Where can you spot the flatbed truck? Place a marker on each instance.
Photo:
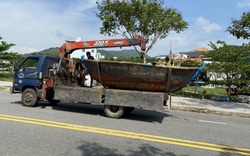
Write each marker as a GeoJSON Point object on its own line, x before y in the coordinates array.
{"type": "Point", "coordinates": [36, 78]}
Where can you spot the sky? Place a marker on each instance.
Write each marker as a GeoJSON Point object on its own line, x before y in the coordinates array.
{"type": "Point", "coordinates": [35, 25]}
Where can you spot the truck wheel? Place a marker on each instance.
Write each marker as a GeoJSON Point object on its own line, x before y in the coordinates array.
{"type": "Point", "coordinates": [29, 97]}
{"type": "Point", "coordinates": [114, 111]}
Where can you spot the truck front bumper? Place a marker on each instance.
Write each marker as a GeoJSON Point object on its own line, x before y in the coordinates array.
{"type": "Point", "coordinates": [13, 90]}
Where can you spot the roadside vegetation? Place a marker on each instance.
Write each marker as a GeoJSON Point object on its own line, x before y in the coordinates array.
{"type": "Point", "coordinates": [200, 92]}
{"type": "Point", "coordinates": [6, 76]}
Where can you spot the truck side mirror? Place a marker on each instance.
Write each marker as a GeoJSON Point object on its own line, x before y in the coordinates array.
{"type": "Point", "coordinates": [16, 66]}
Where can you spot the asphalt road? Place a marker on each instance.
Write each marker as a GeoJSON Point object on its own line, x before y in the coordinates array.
{"type": "Point", "coordinates": [77, 129]}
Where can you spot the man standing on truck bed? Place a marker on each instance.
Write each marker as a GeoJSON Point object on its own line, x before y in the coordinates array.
{"type": "Point", "coordinates": [89, 56]}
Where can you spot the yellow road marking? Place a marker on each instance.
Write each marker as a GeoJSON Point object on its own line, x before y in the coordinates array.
{"type": "Point", "coordinates": [133, 135]}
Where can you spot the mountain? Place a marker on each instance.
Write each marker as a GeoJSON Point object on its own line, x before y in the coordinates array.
{"type": "Point", "coordinates": [107, 53]}
{"type": "Point", "coordinates": [119, 54]}
{"type": "Point", "coordinates": [50, 52]}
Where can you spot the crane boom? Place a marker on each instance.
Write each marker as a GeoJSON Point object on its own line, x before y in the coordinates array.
{"type": "Point", "coordinates": [68, 47]}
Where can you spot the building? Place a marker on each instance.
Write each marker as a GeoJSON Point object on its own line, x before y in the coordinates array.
{"type": "Point", "coordinates": [203, 49]}
{"type": "Point", "coordinates": [4, 61]}
{"type": "Point", "coordinates": [180, 56]}
{"type": "Point", "coordinates": [207, 60]}
{"type": "Point", "coordinates": [5, 65]}
{"type": "Point", "coordinates": [162, 57]}
{"type": "Point", "coordinates": [194, 55]}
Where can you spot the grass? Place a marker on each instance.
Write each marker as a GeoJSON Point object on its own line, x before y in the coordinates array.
{"type": "Point", "coordinates": [192, 92]}
{"type": "Point", "coordinates": [6, 76]}
{"type": "Point", "coordinates": [220, 91]}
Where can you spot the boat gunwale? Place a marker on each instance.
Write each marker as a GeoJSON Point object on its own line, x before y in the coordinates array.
{"type": "Point", "coordinates": [143, 64]}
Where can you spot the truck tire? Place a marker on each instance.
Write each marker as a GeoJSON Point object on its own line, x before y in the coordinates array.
{"type": "Point", "coordinates": [114, 111]}
{"type": "Point", "coordinates": [29, 97]}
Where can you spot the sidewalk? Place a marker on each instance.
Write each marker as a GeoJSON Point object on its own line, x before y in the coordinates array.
{"type": "Point", "coordinates": [210, 106]}
{"type": "Point", "coordinates": [192, 104]}
{"type": "Point", "coordinates": [5, 85]}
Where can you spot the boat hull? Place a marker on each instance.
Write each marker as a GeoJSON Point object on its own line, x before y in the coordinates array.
{"type": "Point", "coordinates": [137, 76]}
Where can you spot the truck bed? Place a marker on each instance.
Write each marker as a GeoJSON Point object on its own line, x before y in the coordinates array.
{"type": "Point", "coordinates": [116, 97]}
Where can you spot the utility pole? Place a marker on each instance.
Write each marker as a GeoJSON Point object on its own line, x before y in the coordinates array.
{"type": "Point", "coordinates": [171, 59]}
{"type": "Point", "coordinates": [170, 72]}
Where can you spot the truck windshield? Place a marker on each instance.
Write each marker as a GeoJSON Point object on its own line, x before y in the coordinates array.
{"type": "Point", "coordinates": [30, 63]}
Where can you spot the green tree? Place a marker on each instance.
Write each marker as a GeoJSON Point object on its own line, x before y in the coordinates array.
{"type": "Point", "coordinates": [139, 17]}
{"type": "Point", "coordinates": [10, 56]}
{"type": "Point", "coordinates": [230, 61]}
{"type": "Point", "coordinates": [241, 28]}
{"type": "Point", "coordinates": [190, 63]}
{"type": "Point", "coordinates": [4, 46]}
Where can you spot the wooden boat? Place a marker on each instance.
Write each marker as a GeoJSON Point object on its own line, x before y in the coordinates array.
{"type": "Point", "coordinates": [137, 76]}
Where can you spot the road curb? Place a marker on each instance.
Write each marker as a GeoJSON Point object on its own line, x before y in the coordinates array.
{"type": "Point", "coordinates": [208, 111]}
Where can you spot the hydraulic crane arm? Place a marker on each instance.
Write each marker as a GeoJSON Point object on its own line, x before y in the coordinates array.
{"type": "Point", "coordinates": [68, 47]}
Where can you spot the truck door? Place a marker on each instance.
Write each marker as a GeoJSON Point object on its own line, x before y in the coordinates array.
{"type": "Point", "coordinates": [28, 74]}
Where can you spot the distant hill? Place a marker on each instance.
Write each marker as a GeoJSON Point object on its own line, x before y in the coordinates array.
{"type": "Point", "coordinates": [119, 53]}
{"type": "Point", "coordinates": [50, 52]}
{"type": "Point", "coordinates": [107, 53]}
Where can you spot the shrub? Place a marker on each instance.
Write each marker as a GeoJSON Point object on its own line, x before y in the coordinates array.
{"type": "Point", "coordinates": [6, 76]}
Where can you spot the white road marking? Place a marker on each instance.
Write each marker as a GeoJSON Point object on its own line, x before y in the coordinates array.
{"type": "Point", "coordinates": [222, 123]}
